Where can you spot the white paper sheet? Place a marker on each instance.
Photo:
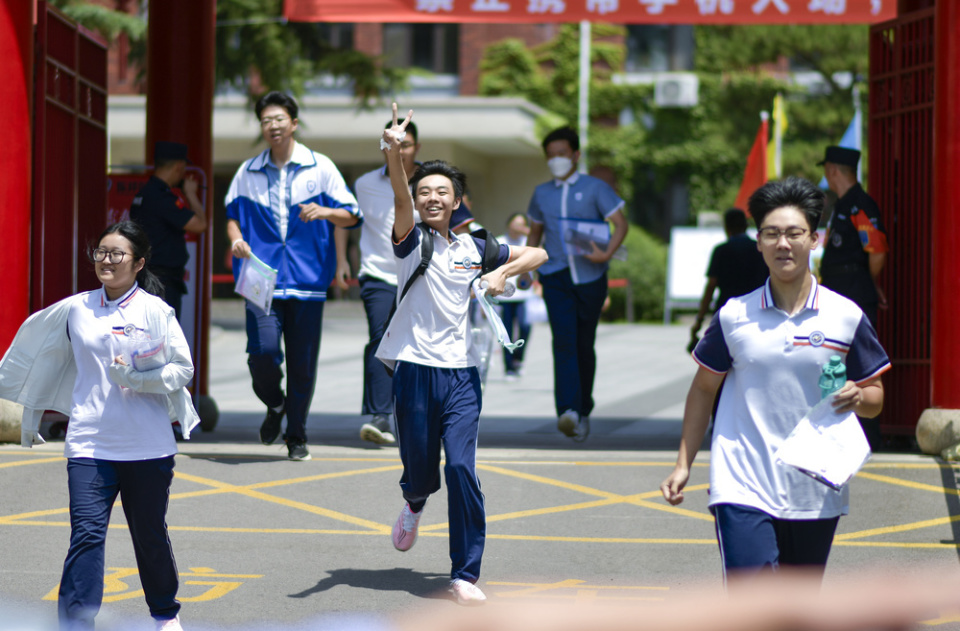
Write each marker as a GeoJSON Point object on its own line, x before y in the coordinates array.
{"type": "Point", "coordinates": [827, 446]}
{"type": "Point", "coordinates": [256, 282]}
{"type": "Point", "coordinates": [579, 233]}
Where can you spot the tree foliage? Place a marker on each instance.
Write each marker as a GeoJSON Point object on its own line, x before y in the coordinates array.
{"type": "Point", "coordinates": [257, 50]}
{"type": "Point", "coordinates": [252, 35]}
{"type": "Point", "coordinates": [704, 146]}
{"type": "Point", "coordinates": [102, 20]}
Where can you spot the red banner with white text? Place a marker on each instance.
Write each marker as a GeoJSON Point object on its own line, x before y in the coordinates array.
{"type": "Point", "coordinates": [616, 11]}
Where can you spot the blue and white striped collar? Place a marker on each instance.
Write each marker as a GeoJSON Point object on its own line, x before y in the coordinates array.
{"type": "Point", "coordinates": [813, 299]}
{"type": "Point", "coordinates": [122, 301]}
{"type": "Point", "coordinates": [302, 156]}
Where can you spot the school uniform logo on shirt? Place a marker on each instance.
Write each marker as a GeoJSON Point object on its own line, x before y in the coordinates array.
{"type": "Point", "coordinates": [311, 186]}
{"type": "Point", "coordinates": [817, 338]}
{"type": "Point", "coordinates": [465, 264]}
{"type": "Point", "coordinates": [132, 331]}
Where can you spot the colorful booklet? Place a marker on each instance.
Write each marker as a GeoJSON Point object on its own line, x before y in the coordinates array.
{"type": "Point", "coordinates": [256, 282]}
{"type": "Point", "coordinates": [148, 355]}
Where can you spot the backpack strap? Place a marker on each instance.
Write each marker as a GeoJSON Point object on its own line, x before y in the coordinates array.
{"type": "Point", "coordinates": [491, 250]}
{"type": "Point", "coordinates": [426, 253]}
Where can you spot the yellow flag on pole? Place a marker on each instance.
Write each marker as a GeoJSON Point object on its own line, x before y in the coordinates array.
{"type": "Point", "coordinates": [775, 148]}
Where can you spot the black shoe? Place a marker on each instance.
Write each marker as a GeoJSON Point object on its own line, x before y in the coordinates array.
{"type": "Point", "coordinates": [297, 450]}
{"type": "Point", "coordinates": [270, 428]}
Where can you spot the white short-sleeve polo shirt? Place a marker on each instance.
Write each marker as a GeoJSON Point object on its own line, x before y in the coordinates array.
{"type": "Point", "coordinates": [772, 363]}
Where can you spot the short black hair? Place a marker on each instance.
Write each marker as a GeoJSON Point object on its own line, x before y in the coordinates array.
{"type": "Point", "coordinates": [563, 133]}
{"type": "Point", "coordinates": [411, 129]}
{"type": "Point", "coordinates": [510, 219]}
{"type": "Point", "coordinates": [735, 221]}
{"type": "Point", "coordinates": [285, 101]}
{"type": "Point", "coordinates": [795, 192]}
{"type": "Point", "coordinates": [439, 167]}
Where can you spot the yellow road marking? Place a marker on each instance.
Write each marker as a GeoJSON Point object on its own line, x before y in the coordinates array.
{"type": "Point", "coordinates": [309, 508]}
{"type": "Point", "coordinates": [907, 483]}
{"type": "Point", "coordinates": [20, 463]}
{"type": "Point", "coordinates": [917, 525]}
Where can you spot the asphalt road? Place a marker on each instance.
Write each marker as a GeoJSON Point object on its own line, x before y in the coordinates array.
{"type": "Point", "coordinates": [261, 540]}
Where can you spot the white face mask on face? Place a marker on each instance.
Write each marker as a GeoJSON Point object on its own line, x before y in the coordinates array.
{"type": "Point", "coordinates": [559, 166]}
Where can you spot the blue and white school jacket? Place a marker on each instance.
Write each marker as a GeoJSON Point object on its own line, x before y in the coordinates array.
{"type": "Point", "coordinates": [307, 260]}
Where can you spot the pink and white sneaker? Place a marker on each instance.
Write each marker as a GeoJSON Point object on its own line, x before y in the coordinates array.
{"type": "Point", "coordinates": [405, 529]}
{"type": "Point", "coordinates": [466, 592]}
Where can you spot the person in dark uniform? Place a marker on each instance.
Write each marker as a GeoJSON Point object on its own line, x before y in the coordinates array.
{"type": "Point", "coordinates": [855, 248]}
{"type": "Point", "coordinates": [165, 218]}
{"type": "Point", "coordinates": [736, 268]}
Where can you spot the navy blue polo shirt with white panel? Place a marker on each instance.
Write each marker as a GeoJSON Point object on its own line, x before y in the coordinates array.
{"type": "Point", "coordinates": [580, 196]}
{"type": "Point", "coordinates": [772, 362]}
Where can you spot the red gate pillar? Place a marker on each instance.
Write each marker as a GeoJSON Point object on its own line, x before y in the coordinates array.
{"type": "Point", "coordinates": [945, 338]}
{"type": "Point", "coordinates": [180, 86]}
{"type": "Point", "coordinates": [939, 427]}
{"type": "Point", "coordinates": [16, 68]}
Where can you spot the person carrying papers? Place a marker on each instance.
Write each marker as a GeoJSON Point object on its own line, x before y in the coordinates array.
{"type": "Point", "coordinates": [772, 345]}
{"type": "Point", "coordinates": [436, 384]}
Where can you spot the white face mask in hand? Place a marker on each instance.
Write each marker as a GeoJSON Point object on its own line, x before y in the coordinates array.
{"type": "Point", "coordinates": [559, 166]}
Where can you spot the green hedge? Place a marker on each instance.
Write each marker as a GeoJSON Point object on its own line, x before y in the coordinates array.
{"type": "Point", "coordinates": [646, 269]}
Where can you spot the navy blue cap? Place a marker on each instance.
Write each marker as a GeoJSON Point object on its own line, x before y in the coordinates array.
{"type": "Point", "coordinates": [841, 155]}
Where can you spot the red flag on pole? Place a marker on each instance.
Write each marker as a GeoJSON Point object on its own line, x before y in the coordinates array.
{"type": "Point", "coordinates": [755, 175]}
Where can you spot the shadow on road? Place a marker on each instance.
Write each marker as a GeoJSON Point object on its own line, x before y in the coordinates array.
{"type": "Point", "coordinates": [420, 584]}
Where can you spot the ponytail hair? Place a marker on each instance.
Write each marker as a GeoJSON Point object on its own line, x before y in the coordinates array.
{"type": "Point", "coordinates": [140, 244]}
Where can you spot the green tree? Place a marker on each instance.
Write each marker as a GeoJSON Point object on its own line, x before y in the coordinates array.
{"type": "Point", "coordinates": [103, 20]}
{"type": "Point", "coordinates": [706, 145]}
{"type": "Point", "coordinates": [256, 48]}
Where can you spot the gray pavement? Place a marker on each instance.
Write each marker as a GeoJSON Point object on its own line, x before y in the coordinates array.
{"type": "Point", "coordinates": [262, 540]}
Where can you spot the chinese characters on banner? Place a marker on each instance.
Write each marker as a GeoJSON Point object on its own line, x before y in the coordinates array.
{"type": "Point", "coordinates": [620, 11]}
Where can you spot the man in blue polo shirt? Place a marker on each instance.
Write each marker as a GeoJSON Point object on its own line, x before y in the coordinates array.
{"type": "Point", "coordinates": [282, 206]}
{"type": "Point", "coordinates": [771, 345]}
{"type": "Point", "coordinates": [574, 285]}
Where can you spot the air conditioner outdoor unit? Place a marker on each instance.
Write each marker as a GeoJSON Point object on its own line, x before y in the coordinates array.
{"type": "Point", "coordinates": [676, 89]}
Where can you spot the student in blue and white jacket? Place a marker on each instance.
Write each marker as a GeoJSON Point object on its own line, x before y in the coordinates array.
{"type": "Point", "coordinates": [436, 385]}
{"type": "Point", "coordinates": [282, 207]}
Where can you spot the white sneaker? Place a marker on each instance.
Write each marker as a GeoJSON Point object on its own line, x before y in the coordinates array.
{"type": "Point", "coordinates": [583, 430]}
{"type": "Point", "coordinates": [568, 422]}
{"type": "Point", "coordinates": [466, 592]}
{"type": "Point", "coordinates": [378, 431]}
{"type": "Point", "coordinates": [173, 624]}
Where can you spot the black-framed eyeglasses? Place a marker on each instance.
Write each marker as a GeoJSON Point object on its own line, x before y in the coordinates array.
{"type": "Point", "coordinates": [114, 256]}
{"type": "Point", "coordinates": [772, 235]}
{"type": "Point", "coordinates": [269, 120]}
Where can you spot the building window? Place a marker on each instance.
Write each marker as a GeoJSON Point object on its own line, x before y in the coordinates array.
{"type": "Point", "coordinates": [432, 47]}
{"type": "Point", "coordinates": [339, 36]}
{"type": "Point", "coordinates": [659, 48]}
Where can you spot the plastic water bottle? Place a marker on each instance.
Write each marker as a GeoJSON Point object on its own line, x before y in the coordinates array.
{"type": "Point", "coordinates": [833, 376]}
{"type": "Point", "coordinates": [508, 288]}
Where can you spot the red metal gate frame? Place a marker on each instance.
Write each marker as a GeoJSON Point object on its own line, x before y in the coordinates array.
{"type": "Point", "coordinates": [902, 54]}
{"type": "Point", "coordinates": [69, 156]}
